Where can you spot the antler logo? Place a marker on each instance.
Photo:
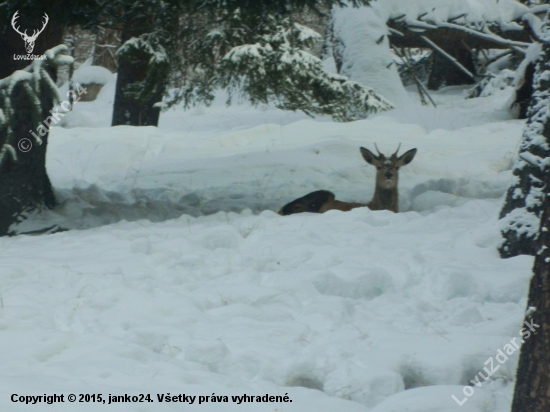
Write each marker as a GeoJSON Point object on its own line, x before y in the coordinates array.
{"type": "Point", "coordinates": [29, 40]}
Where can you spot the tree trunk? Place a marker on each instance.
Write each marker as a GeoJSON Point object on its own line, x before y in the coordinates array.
{"type": "Point", "coordinates": [524, 93]}
{"type": "Point", "coordinates": [24, 184]}
{"type": "Point", "coordinates": [134, 68]}
{"type": "Point", "coordinates": [532, 391]}
{"type": "Point", "coordinates": [520, 214]}
{"type": "Point", "coordinates": [446, 73]}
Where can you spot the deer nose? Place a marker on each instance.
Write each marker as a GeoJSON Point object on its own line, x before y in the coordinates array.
{"type": "Point", "coordinates": [388, 175]}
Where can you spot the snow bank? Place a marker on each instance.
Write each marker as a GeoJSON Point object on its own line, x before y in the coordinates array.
{"type": "Point", "coordinates": [186, 281]}
{"type": "Point", "coordinates": [92, 75]}
{"type": "Point", "coordinates": [357, 306]}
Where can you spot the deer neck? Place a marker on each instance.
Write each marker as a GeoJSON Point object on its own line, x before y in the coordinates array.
{"type": "Point", "coordinates": [385, 199]}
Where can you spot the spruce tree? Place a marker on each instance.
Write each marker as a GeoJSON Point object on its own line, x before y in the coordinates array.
{"type": "Point", "coordinates": [269, 62]}
{"type": "Point", "coordinates": [196, 47]}
{"type": "Point", "coordinates": [27, 98]}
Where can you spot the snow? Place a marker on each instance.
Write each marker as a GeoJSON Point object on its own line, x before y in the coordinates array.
{"type": "Point", "coordinates": [87, 74]}
{"type": "Point", "coordinates": [18, 76]}
{"type": "Point", "coordinates": [362, 43]}
{"type": "Point", "coordinates": [178, 277]}
{"type": "Point", "coordinates": [307, 34]}
{"type": "Point", "coordinates": [473, 11]}
{"type": "Point", "coordinates": [367, 60]}
{"type": "Point", "coordinates": [7, 149]}
{"type": "Point", "coordinates": [523, 221]}
{"type": "Point", "coordinates": [55, 54]}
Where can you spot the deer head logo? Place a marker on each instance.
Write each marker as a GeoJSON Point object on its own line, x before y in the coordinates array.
{"type": "Point", "coordinates": [29, 40]}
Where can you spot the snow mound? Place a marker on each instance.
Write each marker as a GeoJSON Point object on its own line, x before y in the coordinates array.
{"type": "Point", "coordinates": [92, 75]}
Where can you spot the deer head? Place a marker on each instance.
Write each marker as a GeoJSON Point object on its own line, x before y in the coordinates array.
{"type": "Point", "coordinates": [387, 168]}
{"type": "Point", "coordinates": [29, 40]}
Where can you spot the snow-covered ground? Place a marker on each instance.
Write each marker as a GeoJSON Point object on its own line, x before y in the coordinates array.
{"type": "Point", "coordinates": [179, 277]}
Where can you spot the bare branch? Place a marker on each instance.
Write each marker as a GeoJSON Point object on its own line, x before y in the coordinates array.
{"type": "Point", "coordinates": [407, 60]}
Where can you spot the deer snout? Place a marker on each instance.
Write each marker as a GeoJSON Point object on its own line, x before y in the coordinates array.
{"type": "Point", "coordinates": [388, 175]}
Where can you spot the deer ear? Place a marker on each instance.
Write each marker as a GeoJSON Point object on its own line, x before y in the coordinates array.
{"type": "Point", "coordinates": [406, 157]}
{"type": "Point", "coordinates": [369, 157]}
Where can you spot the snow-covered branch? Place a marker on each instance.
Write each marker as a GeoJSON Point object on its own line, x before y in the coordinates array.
{"type": "Point", "coordinates": [418, 24]}
{"type": "Point", "coordinates": [533, 25]}
{"type": "Point", "coordinates": [448, 56]}
{"type": "Point", "coordinates": [515, 24]}
{"type": "Point", "coordinates": [492, 37]}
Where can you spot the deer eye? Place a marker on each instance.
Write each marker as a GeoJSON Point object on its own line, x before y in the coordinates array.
{"type": "Point", "coordinates": [379, 168]}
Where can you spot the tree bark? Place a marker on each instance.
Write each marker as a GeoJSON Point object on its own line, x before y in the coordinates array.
{"type": "Point", "coordinates": [532, 390]}
{"type": "Point", "coordinates": [133, 68]}
{"type": "Point", "coordinates": [523, 206]}
{"type": "Point", "coordinates": [524, 93]}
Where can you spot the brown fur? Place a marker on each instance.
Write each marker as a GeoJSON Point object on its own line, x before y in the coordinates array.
{"type": "Point", "coordinates": [339, 205]}
{"type": "Point", "coordinates": [386, 196]}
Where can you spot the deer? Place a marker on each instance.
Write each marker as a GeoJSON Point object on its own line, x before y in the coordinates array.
{"type": "Point", "coordinates": [385, 196]}
{"type": "Point", "coordinates": [29, 40]}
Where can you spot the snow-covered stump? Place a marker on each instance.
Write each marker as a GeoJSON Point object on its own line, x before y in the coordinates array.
{"type": "Point", "coordinates": [26, 101]}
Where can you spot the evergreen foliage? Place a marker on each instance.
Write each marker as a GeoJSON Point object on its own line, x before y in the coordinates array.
{"type": "Point", "coordinates": [266, 60]}
{"type": "Point", "coordinates": [185, 43]}
{"type": "Point", "coordinates": [26, 100]}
